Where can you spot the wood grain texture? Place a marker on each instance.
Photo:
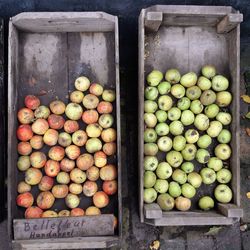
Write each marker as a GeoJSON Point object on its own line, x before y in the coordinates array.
{"type": "Point", "coordinates": [229, 22]}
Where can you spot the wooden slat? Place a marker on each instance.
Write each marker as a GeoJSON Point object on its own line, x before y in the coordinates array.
{"type": "Point", "coordinates": [230, 210]}
{"type": "Point", "coordinates": [152, 211]}
{"type": "Point", "coordinates": [153, 20]}
{"type": "Point", "coordinates": [229, 22]}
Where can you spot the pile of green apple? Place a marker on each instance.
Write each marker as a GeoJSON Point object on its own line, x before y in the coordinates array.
{"type": "Point", "coordinates": [186, 119]}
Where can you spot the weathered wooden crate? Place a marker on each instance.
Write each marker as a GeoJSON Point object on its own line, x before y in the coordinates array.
{"type": "Point", "coordinates": [47, 52]}
{"type": "Point", "coordinates": [188, 37]}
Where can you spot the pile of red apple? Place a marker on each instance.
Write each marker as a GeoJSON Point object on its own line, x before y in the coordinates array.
{"type": "Point", "coordinates": [77, 152]}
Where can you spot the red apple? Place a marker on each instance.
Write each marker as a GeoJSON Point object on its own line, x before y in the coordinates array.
{"type": "Point", "coordinates": [46, 183]}
{"type": "Point", "coordinates": [100, 199]}
{"type": "Point", "coordinates": [71, 126]}
{"type": "Point", "coordinates": [60, 191]}
{"type": "Point", "coordinates": [38, 159]}
{"type": "Point", "coordinates": [25, 200]}
{"type": "Point", "coordinates": [36, 142]}
{"type": "Point", "coordinates": [40, 126]}
{"type": "Point", "coordinates": [96, 89]}
{"type": "Point", "coordinates": [49, 214]}
{"type": "Point", "coordinates": [56, 153]}
{"type": "Point", "coordinates": [104, 107]}
{"type": "Point", "coordinates": [89, 188]}
{"type": "Point", "coordinates": [93, 173]}
{"type": "Point", "coordinates": [56, 121]}
{"type": "Point", "coordinates": [57, 107]}
{"type": "Point", "coordinates": [85, 161]}
{"type": "Point", "coordinates": [109, 187]}
{"type": "Point", "coordinates": [33, 176]}
{"type": "Point", "coordinates": [90, 116]}
{"type": "Point", "coordinates": [24, 148]}
{"type": "Point", "coordinates": [108, 173]}
{"type": "Point", "coordinates": [45, 200]}
{"type": "Point", "coordinates": [50, 137]}
{"type": "Point", "coordinates": [25, 116]}
{"type": "Point", "coordinates": [72, 152]}
{"type": "Point", "coordinates": [109, 148]}
{"type": "Point", "coordinates": [52, 168]}
{"type": "Point", "coordinates": [32, 102]}
{"type": "Point", "coordinates": [33, 212]}
{"type": "Point", "coordinates": [24, 132]}
{"type": "Point", "coordinates": [77, 212]}
{"type": "Point", "coordinates": [100, 159]}
{"type": "Point", "coordinates": [67, 165]}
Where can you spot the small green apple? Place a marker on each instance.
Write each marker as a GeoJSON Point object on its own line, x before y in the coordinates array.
{"type": "Point", "coordinates": [208, 175]}
{"type": "Point", "coordinates": [196, 107]}
{"type": "Point", "coordinates": [166, 202]}
{"type": "Point", "coordinates": [189, 152]}
{"type": "Point", "coordinates": [224, 176]}
{"type": "Point", "coordinates": [208, 97]}
{"type": "Point", "coordinates": [220, 83]}
{"type": "Point", "coordinates": [162, 129]}
{"type": "Point", "coordinates": [150, 120]}
{"type": "Point", "coordinates": [161, 186]}
{"type": "Point", "coordinates": [201, 122]}
{"type": "Point", "coordinates": [179, 176]}
{"type": "Point", "coordinates": [150, 135]}
{"type": "Point", "coordinates": [174, 189]}
{"type": "Point", "coordinates": [176, 128]}
{"type": "Point", "coordinates": [178, 91]}
{"type": "Point", "coordinates": [173, 76]}
{"type": "Point", "coordinates": [188, 190]}
{"type": "Point", "coordinates": [204, 83]}
{"type": "Point", "coordinates": [206, 203]}
{"type": "Point", "coordinates": [222, 151]}
{"type": "Point", "coordinates": [164, 170]}
{"type": "Point", "coordinates": [150, 163]}
{"type": "Point", "coordinates": [150, 195]}
{"type": "Point", "coordinates": [164, 88]}
{"type": "Point", "coordinates": [183, 103]}
{"type": "Point", "coordinates": [165, 102]}
{"type": "Point", "coordinates": [179, 143]}
{"type": "Point", "coordinates": [174, 158]}
{"type": "Point", "coordinates": [164, 143]}
{"type": "Point", "coordinates": [223, 98]}
{"type": "Point", "coordinates": [224, 136]}
{"type": "Point", "coordinates": [187, 167]}
{"type": "Point", "coordinates": [224, 117]}
{"type": "Point", "coordinates": [154, 77]}
{"type": "Point", "coordinates": [189, 79]}
{"type": "Point", "coordinates": [194, 179]}
{"type": "Point", "coordinates": [223, 193]}
{"type": "Point", "coordinates": [149, 179]}
{"type": "Point", "coordinates": [193, 92]}
{"type": "Point", "coordinates": [161, 115]}
{"type": "Point", "coordinates": [202, 155]}
{"type": "Point", "coordinates": [215, 164]}
{"type": "Point", "coordinates": [208, 71]}
{"type": "Point", "coordinates": [174, 114]}
{"type": "Point", "coordinates": [187, 117]}
{"type": "Point", "coordinates": [150, 149]}
{"type": "Point", "coordinates": [192, 135]}
{"type": "Point", "coordinates": [150, 106]}
{"type": "Point", "coordinates": [212, 110]}
{"type": "Point", "coordinates": [151, 93]}
{"type": "Point", "coordinates": [204, 141]}
{"type": "Point", "coordinates": [214, 128]}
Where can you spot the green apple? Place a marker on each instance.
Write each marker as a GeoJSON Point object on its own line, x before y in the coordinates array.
{"type": "Point", "coordinates": [189, 152]}
{"type": "Point", "coordinates": [212, 110]}
{"type": "Point", "coordinates": [173, 76]}
{"type": "Point", "coordinates": [206, 203]}
{"type": "Point", "coordinates": [202, 156]}
{"type": "Point", "coordinates": [165, 201]}
{"type": "Point", "coordinates": [150, 135]}
{"type": "Point", "coordinates": [223, 193]}
{"type": "Point", "coordinates": [150, 120]}
{"type": "Point", "coordinates": [189, 79]}
{"type": "Point", "coordinates": [162, 129]}
{"type": "Point", "coordinates": [187, 117]}
{"type": "Point", "coordinates": [222, 151]}
{"type": "Point", "coordinates": [165, 102]}
{"type": "Point", "coordinates": [161, 115]}
{"type": "Point", "coordinates": [187, 167]}
{"type": "Point", "coordinates": [164, 88]}
{"type": "Point", "coordinates": [201, 122]}
{"type": "Point", "coordinates": [179, 143]}
{"type": "Point", "coordinates": [161, 186]}
{"type": "Point", "coordinates": [154, 77]}
{"type": "Point", "coordinates": [150, 149]}
{"type": "Point", "coordinates": [204, 83]}
{"type": "Point", "coordinates": [224, 117]}
{"type": "Point", "coordinates": [174, 158]}
{"type": "Point", "coordinates": [174, 114]}
{"type": "Point", "coordinates": [182, 203]}
{"type": "Point", "coordinates": [178, 91]}
{"type": "Point", "coordinates": [150, 163]}
{"type": "Point", "coordinates": [164, 143]}
{"type": "Point", "coordinates": [215, 164]}
{"type": "Point", "coordinates": [150, 106]}
{"type": "Point", "coordinates": [93, 145]}
{"type": "Point", "coordinates": [192, 135]}
{"type": "Point", "coordinates": [223, 98]}
{"type": "Point", "coordinates": [149, 179]}
{"type": "Point", "coordinates": [208, 71]}
{"type": "Point", "coordinates": [208, 97]}
{"type": "Point", "coordinates": [196, 107]}
{"type": "Point", "coordinates": [188, 190]}
{"type": "Point", "coordinates": [208, 175]}
{"type": "Point", "coordinates": [194, 179]}
{"type": "Point", "coordinates": [204, 141]}
{"type": "Point", "coordinates": [183, 103]}
{"type": "Point", "coordinates": [179, 176]}
{"type": "Point", "coordinates": [224, 136]}
{"type": "Point", "coordinates": [151, 93]}
{"type": "Point", "coordinates": [164, 170]}
{"type": "Point", "coordinates": [224, 176]}
{"type": "Point", "coordinates": [193, 92]}
{"type": "Point", "coordinates": [150, 195]}
{"type": "Point", "coordinates": [176, 128]}
{"type": "Point", "coordinates": [214, 128]}
{"type": "Point", "coordinates": [174, 189]}
{"type": "Point", "coordinates": [220, 83]}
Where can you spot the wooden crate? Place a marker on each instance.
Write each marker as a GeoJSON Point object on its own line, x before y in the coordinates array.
{"type": "Point", "coordinates": [47, 52]}
{"type": "Point", "coordinates": [188, 37]}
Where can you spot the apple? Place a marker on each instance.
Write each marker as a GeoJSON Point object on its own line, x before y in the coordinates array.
{"type": "Point", "coordinates": [163, 170]}
{"type": "Point", "coordinates": [104, 107]}
{"type": "Point", "coordinates": [196, 107]}
{"type": "Point", "coordinates": [25, 116]}
{"type": "Point", "coordinates": [165, 102]}
{"type": "Point", "coordinates": [56, 153]}
{"type": "Point", "coordinates": [57, 107]}
{"type": "Point", "coordinates": [72, 151]}
{"type": "Point", "coordinates": [161, 186]}
{"type": "Point", "coordinates": [23, 163]}
{"type": "Point", "coordinates": [33, 212]}
{"type": "Point", "coordinates": [202, 156]}
{"type": "Point", "coordinates": [96, 89]}
{"type": "Point", "coordinates": [100, 159]}
{"type": "Point", "coordinates": [194, 179]}
{"type": "Point", "coordinates": [174, 114]}
{"type": "Point", "coordinates": [208, 97]}
{"type": "Point", "coordinates": [179, 143]}
{"type": "Point", "coordinates": [109, 148]}
{"type": "Point", "coordinates": [76, 96]}
{"type": "Point", "coordinates": [224, 118]}
{"type": "Point", "coordinates": [77, 212]}
{"type": "Point", "coordinates": [46, 183]}
{"type": "Point", "coordinates": [71, 126]}
{"type": "Point", "coordinates": [179, 176]}
{"type": "Point", "coordinates": [214, 128]}
{"type": "Point", "coordinates": [49, 214]}
{"type": "Point", "coordinates": [60, 191]}
{"type": "Point", "coordinates": [33, 176]}
{"type": "Point", "coordinates": [189, 79]}
{"type": "Point", "coordinates": [64, 213]}
{"type": "Point", "coordinates": [25, 200]}
{"type": "Point", "coordinates": [50, 138]}
{"type": "Point", "coordinates": [52, 168]}
{"type": "Point", "coordinates": [204, 141]}
{"type": "Point", "coordinates": [40, 126]}
{"type": "Point", "coordinates": [90, 116]}
{"type": "Point", "coordinates": [188, 190]}
{"type": "Point", "coordinates": [154, 77]}
{"type": "Point", "coordinates": [212, 110]}
{"type": "Point", "coordinates": [82, 83]}
{"type": "Point", "coordinates": [174, 189]}
{"type": "Point", "coordinates": [189, 152]}
{"type": "Point", "coordinates": [223, 193]}
{"type": "Point", "coordinates": [224, 176]}
{"type": "Point", "coordinates": [183, 103]}
{"type": "Point", "coordinates": [182, 203]}
{"type": "Point", "coordinates": [90, 101]}
{"type": "Point", "coordinates": [72, 201]}
{"type": "Point", "coordinates": [108, 173]}
{"type": "Point", "coordinates": [164, 88]}
{"type": "Point", "coordinates": [74, 111]}
{"type": "Point", "coordinates": [79, 137]}
{"type": "Point", "coordinates": [201, 122]}
{"type": "Point", "coordinates": [208, 175]}
{"type": "Point", "coordinates": [24, 148]}
{"type": "Point", "coordinates": [23, 187]}
{"type": "Point", "coordinates": [149, 195]}
{"type": "Point", "coordinates": [108, 135]}
{"type": "Point", "coordinates": [206, 203]}
{"type": "Point", "coordinates": [110, 187]}
{"type": "Point", "coordinates": [78, 176]}
{"type": "Point", "coordinates": [150, 149]}
{"type": "Point", "coordinates": [151, 93]}
{"type": "Point", "coordinates": [191, 136]}
{"type": "Point", "coordinates": [56, 121]}
{"type": "Point", "coordinates": [176, 128]}
{"type": "Point", "coordinates": [222, 151]}
{"type": "Point", "coordinates": [165, 201]}
{"type": "Point", "coordinates": [38, 159]}
{"type": "Point", "coordinates": [64, 139]}
{"type": "Point", "coordinates": [220, 83]}
{"type": "Point", "coordinates": [174, 158]}
{"type": "Point", "coordinates": [85, 161]}
{"type": "Point", "coordinates": [93, 173]}
{"type": "Point", "coordinates": [108, 95]}
{"type": "Point", "coordinates": [208, 71]}
{"type": "Point", "coordinates": [215, 163]}
{"type": "Point", "coordinates": [75, 188]}
{"type": "Point", "coordinates": [187, 117]}
{"type": "Point", "coordinates": [164, 143]}
{"type": "Point", "coordinates": [223, 98]}
{"type": "Point", "coordinates": [204, 83]}
{"type": "Point", "coordinates": [89, 188]}
{"type": "Point", "coordinates": [42, 112]}
{"type": "Point", "coordinates": [36, 142]}
{"type": "Point", "coordinates": [150, 135]}
{"type": "Point", "coordinates": [172, 76]}
{"type": "Point", "coordinates": [187, 167]}
{"type": "Point", "coordinates": [150, 106]}
{"type": "Point", "coordinates": [32, 102]}
{"type": "Point", "coordinates": [92, 210]}
{"type": "Point", "coordinates": [93, 145]}
{"type": "Point", "coordinates": [67, 165]}
{"type": "Point", "coordinates": [193, 92]}
{"type": "Point", "coordinates": [178, 91]}
{"type": "Point", "coordinates": [106, 120]}
{"type": "Point", "coordinates": [100, 199]}
{"type": "Point", "coordinates": [150, 120]}
{"type": "Point", "coordinates": [45, 200]}
{"type": "Point", "coordinates": [224, 136]}
{"type": "Point", "coordinates": [63, 178]}
{"type": "Point", "coordinates": [24, 132]}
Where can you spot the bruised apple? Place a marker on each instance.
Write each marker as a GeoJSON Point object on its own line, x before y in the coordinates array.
{"type": "Point", "coordinates": [60, 191]}
{"type": "Point", "coordinates": [93, 145]}
{"type": "Point", "coordinates": [85, 161]}
{"type": "Point", "coordinates": [56, 121]}
{"type": "Point", "coordinates": [72, 201]}
{"type": "Point", "coordinates": [108, 135]}
{"type": "Point", "coordinates": [73, 111]}
{"type": "Point", "coordinates": [100, 159]}
{"type": "Point", "coordinates": [100, 199]}
{"type": "Point", "coordinates": [49, 214]}
{"type": "Point", "coordinates": [90, 116]}
{"type": "Point", "coordinates": [96, 89]}
{"type": "Point", "coordinates": [24, 132]}
{"type": "Point", "coordinates": [25, 200]}
{"type": "Point", "coordinates": [45, 200]}
{"type": "Point", "coordinates": [93, 173]}
{"type": "Point", "coordinates": [33, 212]}
{"type": "Point", "coordinates": [77, 212]}
{"type": "Point", "coordinates": [76, 96]}
{"type": "Point", "coordinates": [108, 95]}
{"type": "Point", "coordinates": [23, 163]}
{"type": "Point", "coordinates": [104, 107]}
{"type": "Point", "coordinates": [64, 139]}
{"type": "Point", "coordinates": [89, 188]}
{"type": "Point", "coordinates": [25, 116]}
{"type": "Point", "coordinates": [71, 126]}
{"type": "Point", "coordinates": [90, 101]}
{"type": "Point", "coordinates": [52, 168]}
{"type": "Point", "coordinates": [75, 188]}
{"type": "Point", "coordinates": [92, 210]}
{"type": "Point", "coordinates": [46, 183]}
{"type": "Point", "coordinates": [23, 187]}
{"type": "Point", "coordinates": [40, 126]}
{"type": "Point", "coordinates": [82, 83]}
{"type": "Point", "coordinates": [78, 176]}
{"type": "Point", "coordinates": [64, 213]}
{"type": "Point", "coordinates": [42, 112]}
{"type": "Point", "coordinates": [36, 142]}
{"type": "Point", "coordinates": [50, 137]}
{"type": "Point", "coordinates": [38, 159]}
{"type": "Point", "coordinates": [24, 148]}
{"type": "Point", "coordinates": [56, 153]}
{"type": "Point", "coordinates": [72, 151]}
{"type": "Point", "coordinates": [109, 148]}
{"type": "Point", "coordinates": [57, 107]}
{"type": "Point", "coordinates": [109, 187]}
{"type": "Point", "coordinates": [63, 178]}
{"type": "Point", "coordinates": [106, 120]}
{"type": "Point", "coordinates": [31, 102]}
{"type": "Point", "coordinates": [93, 130]}
{"type": "Point", "coordinates": [79, 138]}
{"type": "Point", "coordinates": [108, 173]}
{"type": "Point", "coordinates": [33, 176]}
{"type": "Point", "coordinates": [67, 165]}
